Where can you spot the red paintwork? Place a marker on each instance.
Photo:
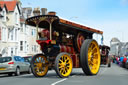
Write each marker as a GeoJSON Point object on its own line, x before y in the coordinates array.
{"type": "Point", "coordinates": [75, 59]}
{"type": "Point", "coordinates": [67, 49]}
{"type": "Point", "coordinates": [42, 42]}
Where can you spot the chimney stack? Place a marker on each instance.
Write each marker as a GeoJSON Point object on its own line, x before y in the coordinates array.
{"type": "Point", "coordinates": [51, 13]}
{"type": "Point", "coordinates": [44, 11]}
{"type": "Point", "coordinates": [36, 11]}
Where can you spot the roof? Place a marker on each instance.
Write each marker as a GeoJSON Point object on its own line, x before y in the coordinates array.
{"type": "Point", "coordinates": [2, 6]}
{"type": "Point", "coordinates": [10, 5]}
{"type": "Point", "coordinates": [60, 24]}
{"type": "Point", "coordinates": [80, 26]}
{"type": "Point", "coordinates": [115, 40]}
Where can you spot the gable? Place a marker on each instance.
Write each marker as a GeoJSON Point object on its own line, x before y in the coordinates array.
{"type": "Point", "coordinates": [10, 5]}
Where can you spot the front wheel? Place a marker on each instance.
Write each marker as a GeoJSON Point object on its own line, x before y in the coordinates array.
{"type": "Point", "coordinates": [90, 57]}
{"type": "Point", "coordinates": [63, 65]}
{"type": "Point", "coordinates": [39, 65]}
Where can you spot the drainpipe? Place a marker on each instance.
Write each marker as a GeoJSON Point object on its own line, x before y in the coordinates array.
{"type": "Point", "coordinates": [37, 32]}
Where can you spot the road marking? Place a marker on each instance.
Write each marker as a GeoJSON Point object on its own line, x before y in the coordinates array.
{"type": "Point", "coordinates": [58, 81]}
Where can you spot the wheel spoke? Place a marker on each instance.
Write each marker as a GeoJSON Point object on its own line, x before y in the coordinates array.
{"type": "Point", "coordinates": [61, 60]}
{"type": "Point", "coordinates": [94, 49]}
{"type": "Point", "coordinates": [94, 66]}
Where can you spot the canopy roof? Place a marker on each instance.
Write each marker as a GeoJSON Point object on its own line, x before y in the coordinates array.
{"type": "Point", "coordinates": [59, 24]}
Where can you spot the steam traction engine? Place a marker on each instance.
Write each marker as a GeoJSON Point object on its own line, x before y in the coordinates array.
{"type": "Point", "coordinates": [64, 45]}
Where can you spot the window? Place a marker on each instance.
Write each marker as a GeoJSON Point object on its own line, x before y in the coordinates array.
{"type": "Point", "coordinates": [34, 48]}
{"type": "Point", "coordinates": [15, 34]}
{"type": "Point", "coordinates": [25, 29]}
{"type": "Point", "coordinates": [25, 46]}
{"type": "Point", "coordinates": [16, 18]}
{"type": "Point", "coordinates": [21, 30]}
{"type": "Point", "coordinates": [33, 32]}
{"type": "Point", "coordinates": [5, 59]}
{"type": "Point", "coordinates": [21, 45]}
{"type": "Point", "coordinates": [11, 33]}
{"type": "Point", "coordinates": [4, 34]}
{"type": "Point", "coordinates": [16, 58]}
{"type": "Point", "coordinates": [22, 59]}
{"type": "Point", "coordinates": [16, 51]}
{"type": "Point", "coordinates": [11, 51]}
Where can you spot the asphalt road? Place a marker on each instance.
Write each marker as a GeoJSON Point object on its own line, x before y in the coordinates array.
{"type": "Point", "coordinates": [106, 76]}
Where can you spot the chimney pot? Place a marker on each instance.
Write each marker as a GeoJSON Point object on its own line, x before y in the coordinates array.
{"type": "Point", "coordinates": [44, 11]}
{"type": "Point", "coordinates": [51, 13]}
{"type": "Point", "coordinates": [36, 11]}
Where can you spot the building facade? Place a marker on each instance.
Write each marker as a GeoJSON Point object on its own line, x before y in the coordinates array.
{"type": "Point", "coordinates": [16, 38]}
{"type": "Point", "coordinates": [118, 48]}
{"type": "Point", "coordinates": [3, 30]}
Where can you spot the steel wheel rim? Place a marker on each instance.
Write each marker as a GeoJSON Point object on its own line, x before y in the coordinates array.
{"type": "Point", "coordinates": [18, 71]}
{"type": "Point", "coordinates": [65, 65]}
{"type": "Point", "coordinates": [30, 70]}
{"type": "Point", "coordinates": [94, 57]}
{"type": "Point", "coordinates": [40, 65]}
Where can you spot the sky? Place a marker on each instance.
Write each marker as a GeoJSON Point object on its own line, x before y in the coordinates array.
{"type": "Point", "coordinates": [110, 16]}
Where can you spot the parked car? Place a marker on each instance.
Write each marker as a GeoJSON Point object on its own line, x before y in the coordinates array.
{"type": "Point", "coordinates": [13, 64]}
{"type": "Point", "coordinates": [27, 58]}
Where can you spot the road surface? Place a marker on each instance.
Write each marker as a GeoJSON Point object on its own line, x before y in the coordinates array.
{"type": "Point", "coordinates": [107, 76]}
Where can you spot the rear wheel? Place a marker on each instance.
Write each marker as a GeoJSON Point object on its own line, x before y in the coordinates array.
{"type": "Point", "coordinates": [9, 74]}
{"type": "Point", "coordinates": [90, 57]}
{"type": "Point", "coordinates": [63, 65]}
{"type": "Point", "coordinates": [17, 73]}
{"type": "Point", "coordinates": [29, 70]}
{"type": "Point", "coordinates": [39, 65]}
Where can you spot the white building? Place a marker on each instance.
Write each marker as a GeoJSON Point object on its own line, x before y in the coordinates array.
{"type": "Point", "coordinates": [16, 37]}
{"type": "Point", "coordinates": [3, 30]}
{"type": "Point", "coordinates": [118, 48]}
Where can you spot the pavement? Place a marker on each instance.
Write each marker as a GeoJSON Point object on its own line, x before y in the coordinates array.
{"type": "Point", "coordinates": [107, 76]}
